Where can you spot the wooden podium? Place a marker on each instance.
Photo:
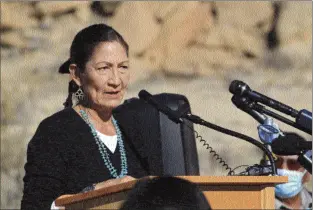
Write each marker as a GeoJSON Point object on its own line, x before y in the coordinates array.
{"type": "Point", "coordinates": [222, 192]}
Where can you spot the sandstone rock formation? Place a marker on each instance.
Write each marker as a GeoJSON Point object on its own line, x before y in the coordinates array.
{"type": "Point", "coordinates": [187, 47]}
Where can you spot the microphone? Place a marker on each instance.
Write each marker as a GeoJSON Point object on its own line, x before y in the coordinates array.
{"type": "Point", "coordinates": [245, 105]}
{"type": "Point", "coordinates": [290, 144]}
{"type": "Point", "coordinates": [242, 89]}
{"type": "Point", "coordinates": [303, 117]}
{"type": "Point", "coordinates": [172, 115]}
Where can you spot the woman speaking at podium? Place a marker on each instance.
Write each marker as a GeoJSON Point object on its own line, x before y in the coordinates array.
{"type": "Point", "coordinates": [87, 142]}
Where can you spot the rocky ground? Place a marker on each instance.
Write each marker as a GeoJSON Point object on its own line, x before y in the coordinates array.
{"type": "Point", "coordinates": [190, 48]}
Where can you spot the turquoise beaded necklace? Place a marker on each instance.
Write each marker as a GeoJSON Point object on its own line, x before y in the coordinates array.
{"type": "Point", "coordinates": [103, 151]}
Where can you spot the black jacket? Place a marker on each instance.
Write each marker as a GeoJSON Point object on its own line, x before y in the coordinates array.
{"type": "Point", "coordinates": [63, 158]}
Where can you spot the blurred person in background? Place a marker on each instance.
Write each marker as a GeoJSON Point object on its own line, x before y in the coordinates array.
{"type": "Point", "coordinates": [89, 145]}
{"type": "Point", "coordinates": [293, 194]}
{"type": "Point", "coordinates": [167, 193]}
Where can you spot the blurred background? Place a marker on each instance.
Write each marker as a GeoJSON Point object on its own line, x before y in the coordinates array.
{"type": "Point", "coordinates": [191, 48]}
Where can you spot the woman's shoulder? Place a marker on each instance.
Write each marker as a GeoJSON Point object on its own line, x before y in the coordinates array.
{"type": "Point", "coordinates": [60, 120]}
{"type": "Point", "coordinates": [57, 128]}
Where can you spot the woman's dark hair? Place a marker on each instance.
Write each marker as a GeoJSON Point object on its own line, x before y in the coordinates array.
{"type": "Point", "coordinates": [82, 48]}
{"type": "Point", "coordinates": [166, 193]}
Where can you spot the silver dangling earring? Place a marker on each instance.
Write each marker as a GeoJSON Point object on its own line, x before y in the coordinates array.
{"type": "Point", "coordinates": [79, 94]}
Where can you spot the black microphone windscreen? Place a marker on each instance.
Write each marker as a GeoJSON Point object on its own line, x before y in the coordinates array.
{"type": "Point", "coordinates": [238, 87]}
{"type": "Point", "coordinates": [290, 144]}
{"type": "Point", "coordinates": [143, 94]}
{"type": "Point", "coordinates": [233, 87]}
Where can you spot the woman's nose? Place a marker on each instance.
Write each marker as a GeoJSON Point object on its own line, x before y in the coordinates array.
{"type": "Point", "coordinates": [114, 77]}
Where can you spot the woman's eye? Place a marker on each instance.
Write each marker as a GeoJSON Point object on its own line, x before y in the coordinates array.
{"type": "Point", "coordinates": [102, 68]}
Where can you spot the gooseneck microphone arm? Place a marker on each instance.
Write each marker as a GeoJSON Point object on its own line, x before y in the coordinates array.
{"type": "Point", "coordinates": [177, 117]}
{"type": "Point", "coordinates": [197, 120]}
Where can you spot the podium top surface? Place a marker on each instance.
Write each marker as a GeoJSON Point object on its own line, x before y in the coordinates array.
{"type": "Point", "coordinates": [235, 180]}
{"type": "Point", "coordinates": [199, 180]}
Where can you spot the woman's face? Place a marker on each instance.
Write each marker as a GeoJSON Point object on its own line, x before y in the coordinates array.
{"type": "Point", "coordinates": [106, 75]}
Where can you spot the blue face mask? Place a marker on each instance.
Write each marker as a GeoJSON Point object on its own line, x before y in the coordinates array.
{"type": "Point", "coordinates": [292, 187]}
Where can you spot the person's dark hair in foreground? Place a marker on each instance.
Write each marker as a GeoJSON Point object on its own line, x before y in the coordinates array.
{"type": "Point", "coordinates": [165, 193]}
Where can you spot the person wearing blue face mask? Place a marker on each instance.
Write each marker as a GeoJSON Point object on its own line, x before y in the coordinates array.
{"type": "Point", "coordinates": [293, 194]}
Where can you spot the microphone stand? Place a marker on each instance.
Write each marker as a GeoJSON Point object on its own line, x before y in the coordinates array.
{"type": "Point", "coordinates": [303, 117]}
{"type": "Point", "coordinates": [263, 110]}
{"type": "Point", "coordinates": [253, 109]}
{"type": "Point", "coordinates": [303, 120]}
{"type": "Point", "coordinates": [246, 105]}
{"type": "Point", "coordinates": [197, 120]}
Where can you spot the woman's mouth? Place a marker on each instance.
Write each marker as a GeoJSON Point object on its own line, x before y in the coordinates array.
{"type": "Point", "coordinates": [113, 94]}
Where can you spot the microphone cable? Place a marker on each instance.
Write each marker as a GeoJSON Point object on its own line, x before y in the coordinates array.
{"type": "Point", "coordinates": [212, 151]}
{"type": "Point", "coordinates": [198, 120]}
